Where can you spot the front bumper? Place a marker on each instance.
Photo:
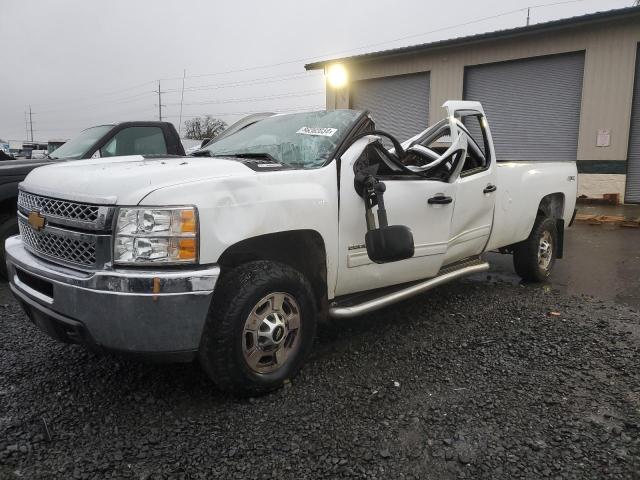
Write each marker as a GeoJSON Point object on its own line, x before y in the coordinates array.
{"type": "Point", "coordinates": [150, 313]}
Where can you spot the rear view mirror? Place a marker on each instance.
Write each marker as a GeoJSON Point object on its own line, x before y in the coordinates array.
{"type": "Point", "coordinates": [389, 243]}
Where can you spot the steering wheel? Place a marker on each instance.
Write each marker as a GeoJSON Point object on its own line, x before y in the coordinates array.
{"type": "Point", "coordinates": [396, 156]}
{"type": "Point", "coordinates": [380, 133]}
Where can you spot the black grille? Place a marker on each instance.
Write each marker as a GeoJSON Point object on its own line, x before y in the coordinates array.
{"type": "Point", "coordinates": [59, 208]}
{"type": "Point", "coordinates": [66, 248]}
{"type": "Point", "coordinates": [39, 285]}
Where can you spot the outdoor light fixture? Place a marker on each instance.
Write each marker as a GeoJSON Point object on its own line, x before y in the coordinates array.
{"type": "Point", "coordinates": [337, 75]}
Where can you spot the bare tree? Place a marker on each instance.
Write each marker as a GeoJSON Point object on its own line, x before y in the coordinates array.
{"type": "Point", "coordinates": [199, 128]}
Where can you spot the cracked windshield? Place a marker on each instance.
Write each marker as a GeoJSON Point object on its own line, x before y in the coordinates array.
{"type": "Point", "coordinates": [305, 140]}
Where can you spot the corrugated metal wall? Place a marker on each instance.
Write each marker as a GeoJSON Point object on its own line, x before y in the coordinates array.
{"type": "Point", "coordinates": [533, 105]}
{"type": "Point", "coordinates": [399, 105]}
{"type": "Point", "coordinates": [632, 194]}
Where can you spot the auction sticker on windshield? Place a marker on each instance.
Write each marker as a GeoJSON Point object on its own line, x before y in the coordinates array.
{"type": "Point", "coordinates": [321, 131]}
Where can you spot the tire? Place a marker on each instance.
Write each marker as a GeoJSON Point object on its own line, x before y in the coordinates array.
{"type": "Point", "coordinates": [8, 228]}
{"type": "Point", "coordinates": [531, 263]}
{"type": "Point", "coordinates": [238, 353]}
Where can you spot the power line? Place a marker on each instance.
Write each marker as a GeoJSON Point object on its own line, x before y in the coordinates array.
{"type": "Point", "coordinates": [464, 24]}
{"type": "Point", "coordinates": [99, 118]}
{"type": "Point", "coordinates": [370, 45]}
{"type": "Point", "coordinates": [230, 114]}
{"type": "Point", "coordinates": [242, 83]}
{"type": "Point", "coordinates": [114, 92]}
{"type": "Point", "coordinates": [184, 74]}
{"type": "Point", "coordinates": [118, 101]}
{"type": "Point", "coordinates": [139, 96]}
{"type": "Point", "coordinates": [305, 93]}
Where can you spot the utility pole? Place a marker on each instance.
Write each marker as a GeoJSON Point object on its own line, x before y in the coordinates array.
{"type": "Point", "coordinates": [184, 74]}
{"type": "Point", "coordinates": [31, 123]}
{"type": "Point", "coordinates": [160, 105]}
{"type": "Point", "coordinates": [529, 16]}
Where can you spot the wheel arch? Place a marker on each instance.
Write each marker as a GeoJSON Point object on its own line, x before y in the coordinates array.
{"type": "Point", "coordinates": [552, 206]}
{"type": "Point", "coordinates": [303, 250]}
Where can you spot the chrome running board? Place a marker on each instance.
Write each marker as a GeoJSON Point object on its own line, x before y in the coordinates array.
{"type": "Point", "coordinates": [386, 298]}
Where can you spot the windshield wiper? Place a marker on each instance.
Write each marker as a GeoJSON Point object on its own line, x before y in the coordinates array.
{"type": "Point", "coordinates": [256, 155]}
{"type": "Point", "coordinates": [201, 153]}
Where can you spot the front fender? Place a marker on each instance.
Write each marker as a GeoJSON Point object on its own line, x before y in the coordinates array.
{"type": "Point", "coordinates": [237, 208]}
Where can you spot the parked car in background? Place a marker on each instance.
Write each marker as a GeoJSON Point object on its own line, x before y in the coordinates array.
{"type": "Point", "coordinates": [127, 138]}
{"type": "Point", "coordinates": [231, 257]}
{"type": "Point", "coordinates": [192, 146]}
{"type": "Point", "coordinates": [37, 154]}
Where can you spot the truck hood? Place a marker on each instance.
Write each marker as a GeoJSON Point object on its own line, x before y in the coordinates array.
{"type": "Point", "coordinates": [125, 180]}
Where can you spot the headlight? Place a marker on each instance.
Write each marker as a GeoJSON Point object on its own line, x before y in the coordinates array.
{"type": "Point", "coordinates": [156, 235]}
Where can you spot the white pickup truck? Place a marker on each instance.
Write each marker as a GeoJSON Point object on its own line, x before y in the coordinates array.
{"type": "Point", "coordinates": [232, 257]}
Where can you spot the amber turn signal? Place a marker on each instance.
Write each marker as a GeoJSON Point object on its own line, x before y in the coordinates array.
{"type": "Point", "coordinates": [187, 249]}
{"type": "Point", "coordinates": [188, 221]}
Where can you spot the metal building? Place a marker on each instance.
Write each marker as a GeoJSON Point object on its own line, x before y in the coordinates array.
{"type": "Point", "coordinates": [562, 90]}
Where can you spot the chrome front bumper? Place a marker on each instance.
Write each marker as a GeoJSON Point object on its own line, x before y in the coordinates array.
{"type": "Point", "coordinates": [136, 311]}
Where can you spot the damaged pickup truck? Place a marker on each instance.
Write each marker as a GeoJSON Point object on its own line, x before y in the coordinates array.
{"type": "Point", "coordinates": [233, 257]}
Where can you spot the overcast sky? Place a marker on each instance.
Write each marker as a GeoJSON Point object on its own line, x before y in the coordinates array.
{"type": "Point", "coordinates": [80, 63]}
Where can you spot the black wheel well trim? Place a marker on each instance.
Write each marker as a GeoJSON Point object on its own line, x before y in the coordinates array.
{"type": "Point", "coordinates": [304, 250]}
{"type": "Point", "coordinates": [552, 206]}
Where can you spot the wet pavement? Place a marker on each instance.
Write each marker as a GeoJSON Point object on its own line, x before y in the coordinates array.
{"type": "Point", "coordinates": [599, 260]}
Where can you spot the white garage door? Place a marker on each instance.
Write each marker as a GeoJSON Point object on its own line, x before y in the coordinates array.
{"type": "Point", "coordinates": [633, 161]}
{"type": "Point", "coordinates": [399, 105]}
{"type": "Point", "coordinates": [533, 105]}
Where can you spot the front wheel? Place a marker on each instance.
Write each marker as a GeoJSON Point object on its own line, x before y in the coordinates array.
{"type": "Point", "coordinates": [260, 328]}
{"type": "Point", "coordinates": [534, 257]}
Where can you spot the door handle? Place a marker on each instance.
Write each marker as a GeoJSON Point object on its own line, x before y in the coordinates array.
{"type": "Point", "coordinates": [490, 188]}
{"type": "Point", "coordinates": [439, 200]}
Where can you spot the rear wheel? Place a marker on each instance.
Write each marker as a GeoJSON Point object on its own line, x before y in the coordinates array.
{"type": "Point", "coordinates": [535, 257]}
{"type": "Point", "coordinates": [8, 228]}
{"type": "Point", "coordinates": [260, 328]}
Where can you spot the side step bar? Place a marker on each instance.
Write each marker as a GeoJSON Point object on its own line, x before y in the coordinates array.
{"type": "Point", "coordinates": [385, 299]}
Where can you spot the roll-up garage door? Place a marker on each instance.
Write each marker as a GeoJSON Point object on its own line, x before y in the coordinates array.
{"type": "Point", "coordinates": [399, 105]}
{"type": "Point", "coordinates": [533, 105]}
{"type": "Point", "coordinates": [633, 159]}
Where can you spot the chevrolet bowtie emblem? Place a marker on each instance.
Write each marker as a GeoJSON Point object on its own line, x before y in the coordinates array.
{"type": "Point", "coordinates": [36, 220]}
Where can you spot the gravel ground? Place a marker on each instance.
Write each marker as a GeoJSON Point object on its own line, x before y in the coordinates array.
{"type": "Point", "coordinates": [475, 380]}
